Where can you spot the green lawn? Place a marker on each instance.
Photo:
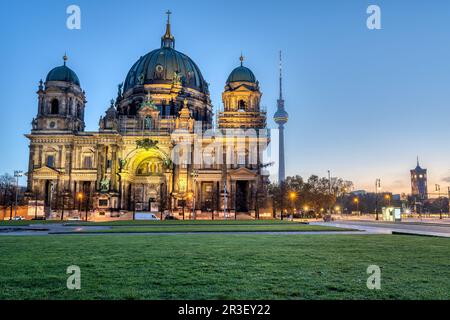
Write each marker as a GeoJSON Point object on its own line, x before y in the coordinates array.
{"type": "Point", "coordinates": [224, 266]}
{"type": "Point", "coordinates": [9, 223]}
{"type": "Point", "coordinates": [217, 228]}
{"type": "Point", "coordinates": [149, 223]}
{"type": "Point", "coordinates": [182, 222]}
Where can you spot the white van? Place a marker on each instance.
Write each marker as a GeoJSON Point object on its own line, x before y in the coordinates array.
{"type": "Point", "coordinates": [145, 216]}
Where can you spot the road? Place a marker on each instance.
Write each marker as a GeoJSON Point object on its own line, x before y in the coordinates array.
{"type": "Point", "coordinates": [417, 228]}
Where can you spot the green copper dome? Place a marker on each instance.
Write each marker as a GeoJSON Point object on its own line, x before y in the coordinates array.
{"type": "Point", "coordinates": [242, 74]}
{"type": "Point", "coordinates": [164, 66]}
{"type": "Point", "coordinates": [63, 73]}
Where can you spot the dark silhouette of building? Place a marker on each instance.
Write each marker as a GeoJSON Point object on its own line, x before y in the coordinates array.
{"type": "Point", "coordinates": [419, 182]}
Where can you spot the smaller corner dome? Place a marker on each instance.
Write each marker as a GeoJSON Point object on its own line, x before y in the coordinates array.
{"type": "Point", "coordinates": [241, 74]}
{"type": "Point", "coordinates": [63, 73]}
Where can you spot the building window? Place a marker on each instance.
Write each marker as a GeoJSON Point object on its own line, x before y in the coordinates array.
{"type": "Point", "coordinates": [87, 162]}
{"type": "Point", "coordinates": [241, 105]}
{"type": "Point", "coordinates": [50, 161]}
{"type": "Point", "coordinates": [54, 106]}
{"type": "Point", "coordinates": [79, 116]}
{"type": "Point", "coordinates": [103, 202]}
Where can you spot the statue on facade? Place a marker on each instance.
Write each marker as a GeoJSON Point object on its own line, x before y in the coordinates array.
{"type": "Point", "coordinates": [122, 164]}
{"type": "Point", "coordinates": [147, 144]}
{"type": "Point", "coordinates": [141, 79]}
{"type": "Point", "coordinates": [34, 124]}
{"type": "Point", "coordinates": [177, 79]}
{"type": "Point", "coordinates": [119, 90]}
{"type": "Point", "coordinates": [104, 185]}
{"type": "Point", "coordinates": [148, 123]}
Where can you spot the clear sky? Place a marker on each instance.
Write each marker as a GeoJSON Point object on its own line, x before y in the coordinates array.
{"type": "Point", "coordinates": [363, 103]}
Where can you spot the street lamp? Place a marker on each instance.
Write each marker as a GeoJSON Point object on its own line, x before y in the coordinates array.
{"type": "Point", "coordinates": [80, 198]}
{"type": "Point", "coordinates": [194, 175]}
{"type": "Point", "coordinates": [438, 191]}
{"type": "Point", "coordinates": [356, 201]}
{"type": "Point", "coordinates": [448, 197]}
{"type": "Point", "coordinates": [377, 189]}
{"type": "Point", "coordinates": [17, 174]}
{"type": "Point", "coordinates": [329, 190]}
{"type": "Point", "coordinates": [293, 196]}
{"type": "Point", "coordinates": [388, 198]}
{"type": "Point", "coordinates": [189, 197]}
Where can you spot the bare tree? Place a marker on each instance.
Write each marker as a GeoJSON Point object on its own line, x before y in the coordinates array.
{"type": "Point", "coordinates": [7, 189]}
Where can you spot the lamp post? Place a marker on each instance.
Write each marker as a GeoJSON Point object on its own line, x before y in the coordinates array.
{"type": "Point", "coordinates": [62, 210]}
{"type": "Point", "coordinates": [293, 196]}
{"type": "Point", "coordinates": [377, 188]}
{"type": "Point", "coordinates": [194, 175]}
{"type": "Point", "coordinates": [356, 202]}
{"type": "Point", "coordinates": [329, 190]}
{"type": "Point", "coordinates": [80, 198]}
{"type": "Point", "coordinates": [17, 175]}
{"type": "Point", "coordinates": [438, 191]}
{"type": "Point", "coordinates": [86, 205]}
{"type": "Point", "coordinates": [448, 189]}
{"type": "Point", "coordinates": [388, 198]}
{"type": "Point", "coordinates": [189, 197]}
{"type": "Point", "coordinates": [305, 210]}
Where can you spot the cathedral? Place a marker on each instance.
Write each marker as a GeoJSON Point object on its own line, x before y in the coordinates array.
{"type": "Point", "coordinates": [159, 146]}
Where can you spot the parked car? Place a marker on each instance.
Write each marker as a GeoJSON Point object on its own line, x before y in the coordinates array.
{"type": "Point", "coordinates": [170, 217]}
{"type": "Point", "coordinates": [18, 218]}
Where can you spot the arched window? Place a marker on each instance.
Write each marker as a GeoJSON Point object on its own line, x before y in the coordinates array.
{"type": "Point", "coordinates": [241, 105]}
{"type": "Point", "coordinates": [50, 161]}
{"type": "Point", "coordinates": [79, 111]}
{"type": "Point", "coordinates": [69, 107]}
{"type": "Point", "coordinates": [54, 106]}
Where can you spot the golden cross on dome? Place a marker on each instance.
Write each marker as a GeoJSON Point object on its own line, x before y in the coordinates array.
{"type": "Point", "coordinates": [242, 59]}
{"type": "Point", "coordinates": [168, 15]}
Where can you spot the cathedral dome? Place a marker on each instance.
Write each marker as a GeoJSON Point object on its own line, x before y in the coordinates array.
{"type": "Point", "coordinates": [241, 74]}
{"type": "Point", "coordinates": [63, 73]}
{"type": "Point", "coordinates": [164, 65]}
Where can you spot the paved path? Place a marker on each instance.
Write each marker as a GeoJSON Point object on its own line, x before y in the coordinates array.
{"type": "Point", "coordinates": [416, 228]}
{"type": "Point", "coordinates": [60, 229]}
{"type": "Point", "coordinates": [362, 227]}
{"type": "Point", "coordinates": [44, 229]}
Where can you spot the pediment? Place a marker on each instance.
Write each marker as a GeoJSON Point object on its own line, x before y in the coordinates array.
{"type": "Point", "coordinates": [46, 171]}
{"type": "Point", "coordinates": [243, 172]}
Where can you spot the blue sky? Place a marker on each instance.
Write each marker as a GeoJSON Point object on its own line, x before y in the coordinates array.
{"type": "Point", "coordinates": [362, 103]}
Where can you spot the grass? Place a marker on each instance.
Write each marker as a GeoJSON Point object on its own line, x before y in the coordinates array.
{"type": "Point", "coordinates": [147, 223]}
{"type": "Point", "coordinates": [224, 266]}
{"type": "Point", "coordinates": [21, 223]}
{"type": "Point", "coordinates": [159, 228]}
{"type": "Point", "coordinates": [182, 222]}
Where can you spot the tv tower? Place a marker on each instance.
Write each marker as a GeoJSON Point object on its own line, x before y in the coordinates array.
{"type": "Point", "coordinates": [281, 117]}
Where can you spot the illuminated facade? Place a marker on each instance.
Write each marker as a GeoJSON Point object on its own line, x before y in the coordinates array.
{"type": "Point", "coordinates": [157, 147]}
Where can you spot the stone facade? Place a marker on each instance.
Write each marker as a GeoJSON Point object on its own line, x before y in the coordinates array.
{"type": "Point", "coordinates": [156, 148]}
